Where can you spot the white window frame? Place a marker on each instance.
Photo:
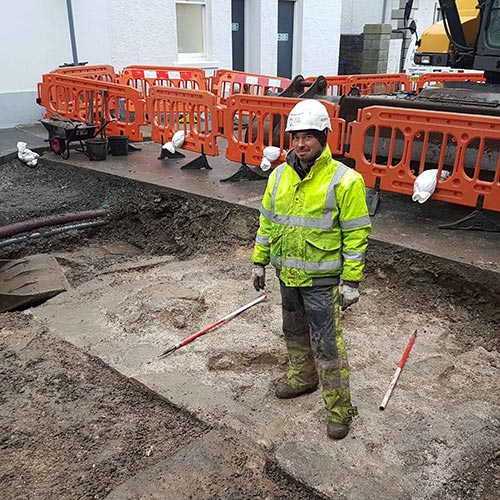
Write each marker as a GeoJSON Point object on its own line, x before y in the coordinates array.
{"type": "Point", "coordinates": [188, 57]}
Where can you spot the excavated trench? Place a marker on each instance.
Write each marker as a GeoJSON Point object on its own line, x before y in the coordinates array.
{"type": "Point", "coordinates": [167, 264]}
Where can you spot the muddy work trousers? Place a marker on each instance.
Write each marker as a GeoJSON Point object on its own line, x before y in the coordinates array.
{"type": "Point", "coordinates": [315, 346]}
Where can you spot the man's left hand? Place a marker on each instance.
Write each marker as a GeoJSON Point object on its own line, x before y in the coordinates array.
{"type": "Point", "coordinates": [348, 296]}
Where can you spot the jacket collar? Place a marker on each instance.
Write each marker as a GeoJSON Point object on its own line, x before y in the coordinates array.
{"type": "Point", "coordinates": [322, 160]}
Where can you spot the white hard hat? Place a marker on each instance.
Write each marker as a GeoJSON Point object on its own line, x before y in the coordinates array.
{"type": "Point", "coordinates": [308, 114]}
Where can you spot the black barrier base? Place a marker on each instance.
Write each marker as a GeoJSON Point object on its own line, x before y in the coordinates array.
{"type": "Point", "coordinates": [244, 173]}
{"type": "Point", "coordinates": [165, 153]}
{"type": "Point", "coordinates": [372, 201]}
{"type": "Point", "coordinates": [475, 221]}
{"type": "Point", "coordinates": [373, 198]}
{"type": "Point", "coordinates": [197, 164]}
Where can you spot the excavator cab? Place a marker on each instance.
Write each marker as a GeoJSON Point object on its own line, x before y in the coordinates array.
{"type": "Point", "coordinates": [487, 55]}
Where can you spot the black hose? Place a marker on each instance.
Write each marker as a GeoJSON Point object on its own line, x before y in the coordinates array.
{"type": "Point", "coordinates": [51, 232]}
{"type": "Point", "coordinates": [53, 220]}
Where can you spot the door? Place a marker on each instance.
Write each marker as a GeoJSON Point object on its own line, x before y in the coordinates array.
{"type": "Point", "coordinates": [285, 38]}
{"type": "Point", "coordinates": [238, 29]}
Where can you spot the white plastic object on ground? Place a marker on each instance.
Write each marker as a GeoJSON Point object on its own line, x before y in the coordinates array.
{"type": "Point", "coordinates": [425, 184]}
{"type": "Point", "coordinates": [26, 155]}
{"type": "Point", "coordinates": [176, 142]}
{"type": "Point", "coordinates": [270, 154]}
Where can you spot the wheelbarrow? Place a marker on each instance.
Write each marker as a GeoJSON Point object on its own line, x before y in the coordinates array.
{"type": "Point", "coordinates": [62, 132]}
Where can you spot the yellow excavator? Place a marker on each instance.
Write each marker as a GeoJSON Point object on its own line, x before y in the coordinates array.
{"type": "Point", "coordinates": [467, 37]}
{"type": "Point", "coordinates": [435, 48]}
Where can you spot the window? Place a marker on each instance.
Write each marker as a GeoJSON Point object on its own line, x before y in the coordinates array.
{"type": "Point", "coordinates": [191, 29]}
{"type": "Point", "coordinates": [438, 15]}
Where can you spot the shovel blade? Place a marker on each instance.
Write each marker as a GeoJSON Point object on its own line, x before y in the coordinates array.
{"type": "Point", "coordinates": [30, 280]}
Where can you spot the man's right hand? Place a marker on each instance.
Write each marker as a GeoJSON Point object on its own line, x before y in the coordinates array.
{"type": "Point", "coordinates": [259, 277]}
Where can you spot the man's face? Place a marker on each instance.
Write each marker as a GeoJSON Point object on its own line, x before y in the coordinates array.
{"type": "Point", "coordinates": [306, 146]}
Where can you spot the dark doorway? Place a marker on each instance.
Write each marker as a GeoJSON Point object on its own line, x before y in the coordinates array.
{"type": "Point", "coordinates": [285, 38]}
{"type": "Point", "coordinates": [238, 29]}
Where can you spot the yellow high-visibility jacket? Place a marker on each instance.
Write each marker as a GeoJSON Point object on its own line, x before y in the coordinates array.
{"type": "Point", "coordinates": [314, 228]}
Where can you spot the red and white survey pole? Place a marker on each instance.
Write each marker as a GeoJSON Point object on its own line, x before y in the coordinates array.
{"type": "Point", "coordinates": [225, 319]}
{"type": "Point", "coordinates": [398, 372]}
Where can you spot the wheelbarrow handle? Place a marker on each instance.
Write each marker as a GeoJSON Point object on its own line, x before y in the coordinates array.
{"type": "Point", "coordinates": [103, 126]}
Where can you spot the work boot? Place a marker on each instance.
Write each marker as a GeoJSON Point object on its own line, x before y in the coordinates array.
{"type": "Point", "coordinates": [336, 430]}
{"type": "Point", "coordinates": [285, 391]}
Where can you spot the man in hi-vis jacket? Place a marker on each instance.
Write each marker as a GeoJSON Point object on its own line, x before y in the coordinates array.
{"type": "Point", "coordinates": [314, 228]}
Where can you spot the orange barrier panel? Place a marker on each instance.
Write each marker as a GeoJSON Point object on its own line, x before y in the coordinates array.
{"type": "Point", "coordinates": [233, 82]}
{"type": "Point", "coordinates": [194, 111]}
{"type": "Point", "coordinates": [335, 85]}
{"type": "Point", "coordinates": [213, 81]}
{"type": "Point", "coordinates": [394, 145]}
{"type": "Point", "coordinates": [71, 97]}
{"type": "Point", "coordinates": [252, 122]}
{"type": "Point", "coordinates": [379, 84]}
{"type": "Point", "coordinates": [144, 77]}
{"type": "Point", "coordinates": [103, 72]}
{"type": "Point", "coordinates": [437, 78]}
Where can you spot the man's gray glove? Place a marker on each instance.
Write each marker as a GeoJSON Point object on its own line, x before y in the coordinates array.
{"type": "Point", "coordinates": [349, 295]}
{"type": "Point", "coordinates": [259, 277]}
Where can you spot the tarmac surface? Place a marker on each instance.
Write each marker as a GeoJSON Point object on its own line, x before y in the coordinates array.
{"type": "Point", "coordinates": [398, 220]}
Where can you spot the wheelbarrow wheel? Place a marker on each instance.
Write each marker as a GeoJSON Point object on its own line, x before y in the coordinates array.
{"type": "Point", "coordinates": [57, 145]}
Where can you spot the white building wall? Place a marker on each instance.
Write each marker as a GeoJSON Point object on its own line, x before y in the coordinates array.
{"type": "Point", "coordinates": [91, 20]}
{"type": "Point", "coordinates": [142, 33]}
{"type": "Point", "coordinates": [357, 13]}
{"type": "Point", "coordinates": [424, 14]}
{"type": "Point", "coordinates": [319, 38]}
{"type": "Point", "coordinates": [35, 39]}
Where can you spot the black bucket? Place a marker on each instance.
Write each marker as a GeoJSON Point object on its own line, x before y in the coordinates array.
{"type": "Point", "coordinates": [118, 145]}
{"type": "Point", "coordinates": [96, 149]}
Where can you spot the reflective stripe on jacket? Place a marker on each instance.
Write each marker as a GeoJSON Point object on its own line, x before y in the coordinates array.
{"type": "Point", "coordinates": [316, 227]}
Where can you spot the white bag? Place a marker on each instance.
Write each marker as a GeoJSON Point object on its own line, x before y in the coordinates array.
{"type": "Point", "coordinates": [176, 142]}
{"type": "Point", "coordinates": [26, 155]}
{"type": "Point", "coordinates": [271, 153]}
{"type": "Point", "coordinates": [425, 184]}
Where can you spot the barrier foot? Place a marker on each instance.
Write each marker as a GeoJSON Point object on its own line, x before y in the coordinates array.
{"type": "Point", "coordinates": [373, 198]}
{"type": "Point", "coordinates": [476, 221]}
{"type": "Point", "coordinates": [165, 153]}
{"type": "Point", "coordinates": [197, 164]}
{"type": "Point", "coordinates": [243, 173]}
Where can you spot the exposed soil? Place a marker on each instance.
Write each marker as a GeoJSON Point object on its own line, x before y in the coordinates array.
{"type": "Point", "coordinates": [72, 427]}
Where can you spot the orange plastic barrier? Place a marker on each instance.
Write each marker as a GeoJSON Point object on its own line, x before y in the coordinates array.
{"type": "Point", "coordinates": [71, 97]}
{"type": "Point", "coordinates": [394, 145]}
{"type": "Point", "coordinates": [144, 77]}
{"type": "Point", "coordinates": [379, 84]}
{"type": "Point", "coordinates": [213, 81]}
{"type": "Point", "coordinates": [252, 122]}
{"type": "Point", "coordinates": [234, 82]}
{"type": "Point", "coordinates": [103, 72]}
{"type": "Point", "coordinates": [194, 111]}
{"type": "Point", "coordinates": [437, 78]}
{"type": "Point", "coordinates": [335, 85]}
